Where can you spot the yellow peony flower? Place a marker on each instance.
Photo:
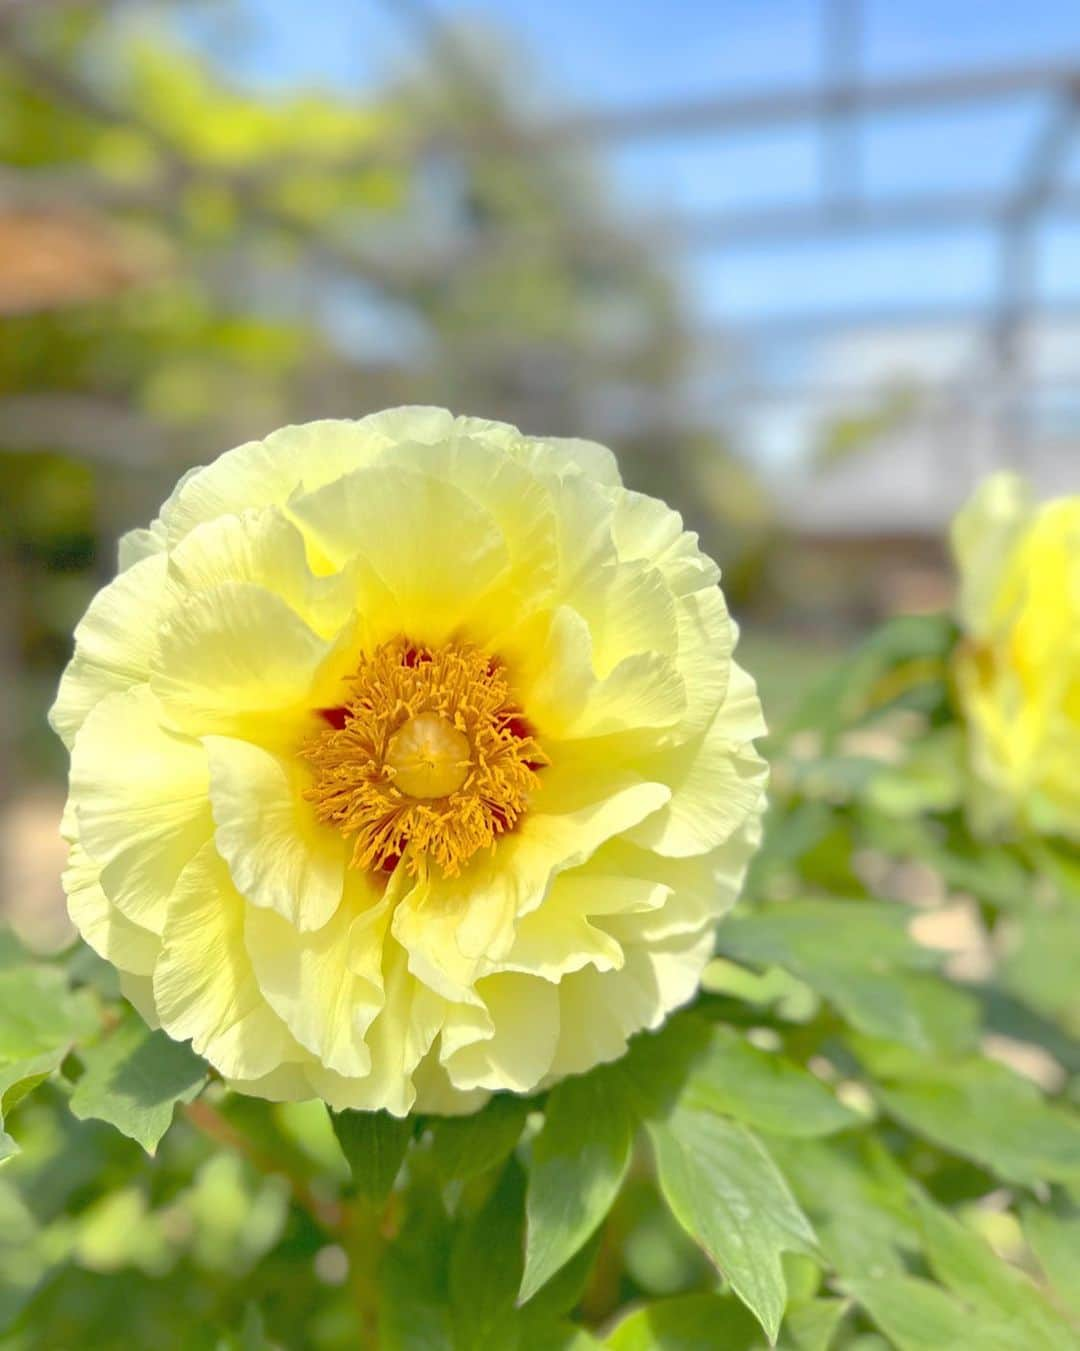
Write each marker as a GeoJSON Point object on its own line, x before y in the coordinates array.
{"type": "Point", "coordinates": [409, 762]}
{"type": "Point", "coordinates": [1018, 671]}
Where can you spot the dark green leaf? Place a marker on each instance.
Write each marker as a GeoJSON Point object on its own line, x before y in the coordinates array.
{"type": "Point", "coordinates": [134, 1078]}
{"type": "Point", "coordinates": [374, 1143]}
{"type": "Point", "coordinates": [465, 1146]}
{"type": "Point", "coordinates": [413, 1280]}
{"type": "Point", "coordinates": [486, 1266]}
{"type": "Point", "coordinates": [578, 1162]}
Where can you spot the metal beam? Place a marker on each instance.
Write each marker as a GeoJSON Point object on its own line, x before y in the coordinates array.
{"type": "Point", "coordinates": [779, 107]}
{"type": "Point", "coordinates": [768, 226]}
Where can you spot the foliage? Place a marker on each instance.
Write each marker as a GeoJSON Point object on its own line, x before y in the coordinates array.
{"type": "Point", "coordinates": [825, 1151]}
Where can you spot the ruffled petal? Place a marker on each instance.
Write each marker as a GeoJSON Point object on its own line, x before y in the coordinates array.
{"type": "Point", "coordinates": [599, 1013]}
{"type": "Point", "coordinates": [140, 795]}
{"type": "Point", "coordinates": [204, 984]}
{"type": "Point", "coordinates": [436, 550]}
{"type": "Point", "coordinates": [326, 986]}
{"type": "Point", "coordinates": [109, 932]}
{"type": "Point", "coordinates": [280, 855]}
{"type": "Point", "coordinates": [523, 1017]}
{"type": "Point", "coordinates": [717, 780]}
{"type": "Point", "coordinates": [267, 550]}
{"type": "Point", "coordinates": [237, 660]}
{"type": "Point", "coordinates": [114, 645]}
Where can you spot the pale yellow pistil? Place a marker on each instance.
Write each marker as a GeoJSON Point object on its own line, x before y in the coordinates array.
{"type": "Point", "coordinates": [433, 760]}
{"type": "Point", "coordinates": [428, 757]}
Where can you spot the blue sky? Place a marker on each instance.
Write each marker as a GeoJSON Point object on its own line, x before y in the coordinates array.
{"type": "Point", "coordinates": [613, 53]}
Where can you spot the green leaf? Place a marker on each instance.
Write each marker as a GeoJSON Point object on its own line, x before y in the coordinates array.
{"type": "Point", "coordinates": [465, 1146]}
{"type": "Point", "coordinates": [816, 935]}
{"type": "Point", "coordinates": [134, 1078]}
{"type": "Point", "coordinates": [763, 1089]}
{"type": "Point", "coordinates": [982, 1111]}
{"type": "Point", "coordinates": [727, 1193]}
{"type": "Point", "coordinates": [860, 956]}
{"type": "Point", "coordinates": [999, 1294]}
{"type": "Point", "coordinates": [558, 1337]}
{"type": "Point", "coordinates": [413, 1280]}
{"type": "Point", "coordinates": [22, 1262]}
{"type": "Point", "coordinates": [918, 1316]}
{"type": "Point", "coordinates": [38, 1013]}
{"type": "Point", "coordinates": [902, 662]}
{"type": "Point", "coordinates": [578, 1162]}
{"type": "Point", "coordinates": [374, 1143]}
{"type": "Point", "coordinates": [1054, 1236]}
{"type": "Point", "coordinates": [687, 1323]}
{"type": "Point", "coordinates": [39, 1019]}
{"type": "Point", "coordinates": [485, 1269]}
{"type": "Point", "coordinates": [811, 1326]}
{"type": "Point", "coordinates": [857, 1198]}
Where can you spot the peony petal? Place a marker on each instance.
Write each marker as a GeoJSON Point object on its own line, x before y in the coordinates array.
{"type": "Point", "coordinates": [524, 1018]}
{"type": "Point", "coordinates": [264, 548]}
{"type": "Point", "coordinates": [280, 855]}
{"type": "Point", "coordinates": [237, 660]}
{"type": "Point", "coordinates": [110, 933]}
{"type": "Point", "coordinates": [436, 550]}
{"type": "Point", "coordinates": [204, 984]}
{"type": "Point", "coordinates": [643, 527]}
{"type": "Point", "coordinates": [267, 473]}
{"type": "Point", "coordinates": [716, 781]}
{"type": "Point", "coordinates": [326, 986]}
{"type": "Point", "coordinates": [456, 929]}
{"type": "Point", "coordinates": [114, 645]}
{"type": "Point", "coordinates": [598, 1013]}
{"type": "Point", "coordinates": [399, 1039]}
{"type": "Point", "coordinates": [566, 700]}
{"type": "Point", "coordinates": [140, 794]}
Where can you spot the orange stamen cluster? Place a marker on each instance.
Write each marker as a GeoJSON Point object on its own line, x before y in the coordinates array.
{"type": "Point", "coordinates": [429, 758]}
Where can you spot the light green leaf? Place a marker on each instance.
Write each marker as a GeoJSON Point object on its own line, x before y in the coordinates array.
{"type": "Point", "coordinates": [859, 956]}
{"type": "Point", "coordinates": [578, 1162]}
{"type": "Point", "coordinates": [22, 1262]}
{"type": "Point", "coordinates": [763, 1089]}
{"type": "Point", "coordinates": [918, 1316]}
{"type": "Point", "coordinates": [979, 1109]}
{"type": "Point", "coordinates": [38, 1012]}
{"type": "Point", "coordinates": [727, 1193]}
{"type": "Point", "coordinates": [40, 1017]}
{"type": "Point", "coordinates": [857, 1198]}
{"type": "Point", "coordinates": [811, 1326]}
{"type": "Point", "coordinates": [134, 1078]}
{"type": "Point", "coordinates": [374, 1143]}
{"type": "Point", "coordinates": [1054, 1235]}
{"type": "Point", "coordinates": [1000, 1295]}
{"type": "Point", "coordinates": [818, 935]}
{"type": "Point", "coordinates": [465, 1146]}
{"type": "Point", "coordinates": [687, 1323]}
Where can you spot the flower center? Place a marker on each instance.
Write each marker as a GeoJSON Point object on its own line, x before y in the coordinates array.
{"type": "Point", "coordinates": [428, 758]}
